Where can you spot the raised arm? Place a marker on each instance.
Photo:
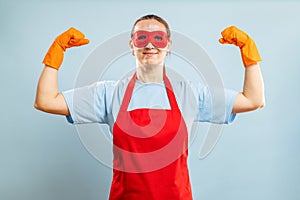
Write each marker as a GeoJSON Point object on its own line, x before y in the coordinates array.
{"type": "Point", "coordinates": [252, 96]}
{"type": "Point", "coordinates": [48, 99]}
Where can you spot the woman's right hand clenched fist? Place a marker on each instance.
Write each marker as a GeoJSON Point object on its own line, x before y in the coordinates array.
{"type": "Point", "coordinates": [70, 38]}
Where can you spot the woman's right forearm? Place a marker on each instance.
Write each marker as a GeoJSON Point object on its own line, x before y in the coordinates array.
{"type": "Point", "coordinates": [48, 99]}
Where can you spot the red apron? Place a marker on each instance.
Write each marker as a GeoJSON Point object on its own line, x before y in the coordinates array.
{"type": "Point", "coordinates": [150, 152]}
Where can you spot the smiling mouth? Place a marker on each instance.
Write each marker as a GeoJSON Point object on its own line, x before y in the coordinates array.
{"type": "Point", "coordinates": [149, 53]}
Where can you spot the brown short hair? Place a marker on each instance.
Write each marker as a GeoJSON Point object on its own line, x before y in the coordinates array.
{"type": "Point", "coordinates": [155, 17]}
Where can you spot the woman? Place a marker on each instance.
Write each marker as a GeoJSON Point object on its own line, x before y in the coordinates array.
{"type": "Point", "coordinates": [150, 142]}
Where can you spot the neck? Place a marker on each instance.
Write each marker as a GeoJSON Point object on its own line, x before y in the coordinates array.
{"type": "Point", "coordinates": [150, 73]}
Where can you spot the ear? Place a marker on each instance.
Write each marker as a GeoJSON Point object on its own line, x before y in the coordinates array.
{"type": "Point", "coordinates": [168, 48]}
{"type": "Point", "coordinates": [170, 42]}
{"type": "Point", "coordinates": [131, 47]}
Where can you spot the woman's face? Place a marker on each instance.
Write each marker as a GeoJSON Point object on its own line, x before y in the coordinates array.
{"type": "Point", "coordinates": [149, 54]}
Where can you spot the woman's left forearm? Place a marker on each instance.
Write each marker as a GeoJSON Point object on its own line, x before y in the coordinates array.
{"type": "Point", "coordinates": [252, 97]}
{"type": "Point", "coordinates": [253, 89]}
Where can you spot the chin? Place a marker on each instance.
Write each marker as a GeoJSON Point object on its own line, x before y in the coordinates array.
{"type": "Point", "coordinates": [150, 64]}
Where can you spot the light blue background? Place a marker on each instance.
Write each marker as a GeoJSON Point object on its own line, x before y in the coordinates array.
{"type": "Point", "coordinates": [257, 157]}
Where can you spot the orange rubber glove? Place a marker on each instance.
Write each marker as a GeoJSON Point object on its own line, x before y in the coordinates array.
{"type": "Point", "coordinates": [55, 54]}
{"type": "Point", "coordinates": [249, 52]}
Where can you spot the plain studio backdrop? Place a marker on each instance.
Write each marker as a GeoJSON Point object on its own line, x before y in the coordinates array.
{"type": "Point", "coordinates": [257, 157]}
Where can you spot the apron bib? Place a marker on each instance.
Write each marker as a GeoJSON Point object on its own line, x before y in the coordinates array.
{"type": "Point", "coordinates": [150, 152]}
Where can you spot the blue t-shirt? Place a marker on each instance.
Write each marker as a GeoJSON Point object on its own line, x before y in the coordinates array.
{"type": "Point", "coordinates": [100, 102]}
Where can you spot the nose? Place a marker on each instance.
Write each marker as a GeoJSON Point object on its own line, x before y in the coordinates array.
{"type": "Point", "coordinates": [150, 46]}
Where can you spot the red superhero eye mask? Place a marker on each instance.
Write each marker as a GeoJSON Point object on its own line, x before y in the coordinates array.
{"type": "Point", "coordinates": [159, 39]}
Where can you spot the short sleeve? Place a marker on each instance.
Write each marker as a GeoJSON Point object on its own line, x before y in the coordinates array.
{"type": "Point", "coordinates": [215, 105]}
{"type": "Point", "coordinates": [89, 104]}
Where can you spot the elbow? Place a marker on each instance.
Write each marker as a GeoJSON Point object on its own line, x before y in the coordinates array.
{"type": "Point", "coordinates": [262, 104]}
{"type": "Point", "coordinates": [39, 105]}
{"type": "Point", "coordinates": [259, 104]}
{"type": "Point", "coordinates": [36, 106]}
